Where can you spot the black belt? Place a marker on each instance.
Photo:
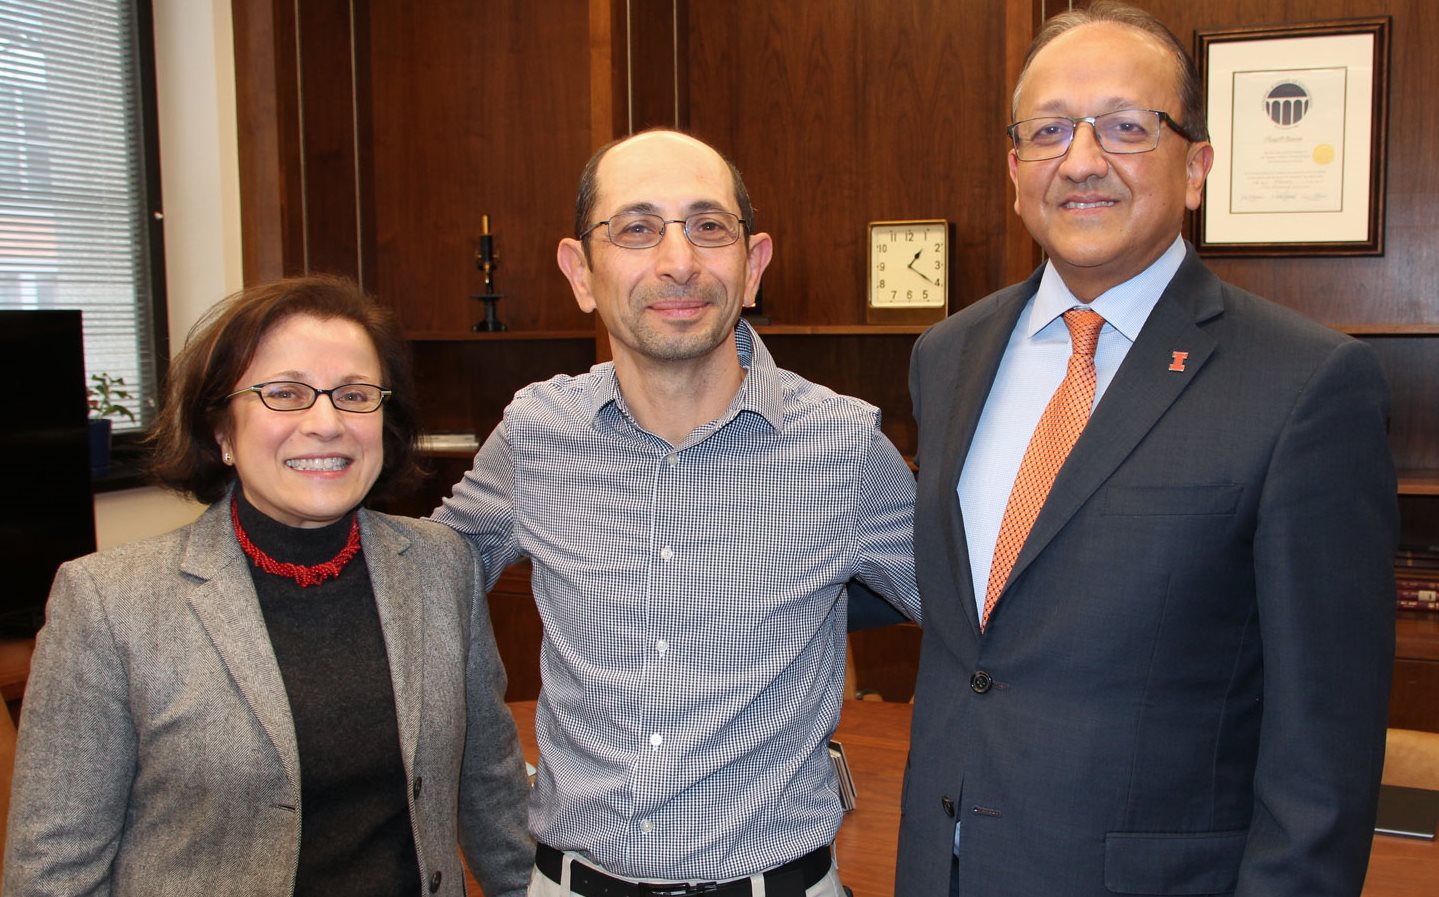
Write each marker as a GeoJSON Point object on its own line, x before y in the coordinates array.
{"type": "Point", "coordinates": [790, 880]}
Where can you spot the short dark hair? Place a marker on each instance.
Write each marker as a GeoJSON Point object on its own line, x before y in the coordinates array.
{"type": "Point", "coordinates": [221, 346]}
{"type": "Point", "coordinates": [1194, 124]}
{"type": "Point", "coordinates": [588, 193]}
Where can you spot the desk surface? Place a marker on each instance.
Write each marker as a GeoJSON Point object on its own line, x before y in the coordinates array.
{"type": "Point", "coordinates": [876, 738]}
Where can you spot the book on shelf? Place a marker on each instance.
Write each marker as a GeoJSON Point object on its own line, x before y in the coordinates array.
{"type": "Point", "coordinates": [1430, 607]}
{"type": "Point", "coordinates": [447, 442]}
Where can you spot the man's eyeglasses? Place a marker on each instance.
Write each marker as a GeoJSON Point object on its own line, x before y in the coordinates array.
{"type": "Point", "coordinates": [1123, 132]}
{"type": "Point", "coordinates": [290, 395]}
{"type": "Point", "coordinates": [640, 230]}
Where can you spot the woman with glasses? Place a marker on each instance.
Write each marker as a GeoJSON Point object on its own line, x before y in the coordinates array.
{"type": "Point", "coordinates": [292, 695]}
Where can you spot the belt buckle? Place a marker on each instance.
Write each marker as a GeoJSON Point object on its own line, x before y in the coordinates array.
{"type": "Point", "coordinates": [703, 887]}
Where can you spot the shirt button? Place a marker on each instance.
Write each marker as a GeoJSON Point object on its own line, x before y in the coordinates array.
{"type": "Point", "coordinates": [667, 553]}
{"type": "Point", "coordinates": [672, 460]}
{"type": "Point", "coordinates": [662, 646]}
{"type": "Point", "coordinates": [646, 826]}
{"type": "Point", "coordinates": [656, 740]}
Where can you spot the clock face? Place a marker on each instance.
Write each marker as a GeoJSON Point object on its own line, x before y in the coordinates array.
{"type": "Point", "coordinates": [908, 264]}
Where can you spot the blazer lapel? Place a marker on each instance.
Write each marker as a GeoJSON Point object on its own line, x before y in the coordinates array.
{"type": "Point", "coordinates": [1142, 391]}
{"type": "Point", "coordinates": [399, 583]}
{"type": "Point", "coordinates": [977, 357]}
{"type": "Point", "coordinates": [225, 602]}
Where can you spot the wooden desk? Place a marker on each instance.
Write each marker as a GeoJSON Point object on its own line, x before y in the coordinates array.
{"type": "Point", "coordinates": [876, 739]}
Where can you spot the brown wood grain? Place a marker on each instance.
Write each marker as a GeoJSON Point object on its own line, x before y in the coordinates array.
{"type": "Point", "coordinates": [848, 112]}
{"type": "Point", "coordinates": [327, 103]}
{"type": "Point", "coordinates": [478, 109]}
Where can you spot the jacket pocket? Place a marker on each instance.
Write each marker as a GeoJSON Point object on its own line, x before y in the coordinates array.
{"type": "Point", "coordinates": [1178, 864]}
{"type": "Point", "coordinates": [1147, 501]}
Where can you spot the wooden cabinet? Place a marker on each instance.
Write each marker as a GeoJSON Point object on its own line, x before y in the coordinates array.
{"type": "Point", "coordinates": [1414, 699]}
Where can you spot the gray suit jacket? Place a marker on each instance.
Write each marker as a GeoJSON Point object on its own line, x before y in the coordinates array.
{"type": "Point", "coordinates": [1183, 688]}
{"type": "Point", "coordinates": [157, 755]}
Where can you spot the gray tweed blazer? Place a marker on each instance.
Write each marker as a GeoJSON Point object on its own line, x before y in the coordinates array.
{"type": "Point", "coordinates": [157, 754]}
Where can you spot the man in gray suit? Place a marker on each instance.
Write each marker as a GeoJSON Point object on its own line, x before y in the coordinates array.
{"type": "Point", "coordinates": [1165, 669]}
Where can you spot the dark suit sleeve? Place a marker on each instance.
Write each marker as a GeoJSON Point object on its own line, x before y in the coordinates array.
{"type": "Point", "coordinates": [75, 760]}
{"type": "Point", "coordinates": [1323, 555]}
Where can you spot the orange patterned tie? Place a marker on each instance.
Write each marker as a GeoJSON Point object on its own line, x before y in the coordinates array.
{"type": "Point", "coordinates": [1059, 428]}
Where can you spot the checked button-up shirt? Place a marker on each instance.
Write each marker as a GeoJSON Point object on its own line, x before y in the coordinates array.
{"type": "Point", "coordinates": [693, 608]}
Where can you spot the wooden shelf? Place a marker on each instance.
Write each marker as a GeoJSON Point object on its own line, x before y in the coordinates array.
{"type": "Point", "coordinates": [1419, 482]}
{"type": "Point", "coordinates": [1383, 329]}
{"type": "Point", "coordinates": [841, 329]}
{"type": "Point", "coordinates": [432, 336]}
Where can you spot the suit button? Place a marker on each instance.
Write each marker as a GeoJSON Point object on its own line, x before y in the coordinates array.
{"type": "Point", "coordinates": [419, 780]}
{"type": "Point", "coordinates": [948, 804]}
{"type": "Point", "coordinates": [435, 881]}
{"type": "Point", "coordinates": [980, 682]}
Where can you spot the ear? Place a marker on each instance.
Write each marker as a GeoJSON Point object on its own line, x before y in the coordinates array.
{"type": "Point", "coordinates": [1013, 162]}
{"type": "Point", "coordinates": [571, 258]}
{"type": "Point", "coordinates": [761, 250]}
{"type": "Point", "coordinates": [1197, 163]}
{"type": "Point", "coordinates": [223, 440]}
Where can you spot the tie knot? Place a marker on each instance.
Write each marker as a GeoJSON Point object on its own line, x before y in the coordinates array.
{"type": "Point", "coordinates": [1084, 325]}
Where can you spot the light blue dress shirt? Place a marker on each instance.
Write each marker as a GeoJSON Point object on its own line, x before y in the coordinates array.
{"type": "Point", "coordinates": [1031, 370]}
{"type": "Point", "coordinates": [694, 615]}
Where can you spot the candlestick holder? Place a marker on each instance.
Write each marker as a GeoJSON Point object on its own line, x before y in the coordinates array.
{"type": "Point", "coordinates": [487, 262]}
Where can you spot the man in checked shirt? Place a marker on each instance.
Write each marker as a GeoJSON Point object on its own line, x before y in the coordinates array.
{"type": "Point", "coordinates": [693, 513]}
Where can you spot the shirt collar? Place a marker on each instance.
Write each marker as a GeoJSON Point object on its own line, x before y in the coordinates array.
{"type": "Point", "coordinates": [1125, 307]}
{"type": "Point", "coordinates": [762, 391]}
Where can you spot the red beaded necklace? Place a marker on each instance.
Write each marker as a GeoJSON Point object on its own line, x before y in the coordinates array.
{"type": "Point", "coordinates": [312, 575]}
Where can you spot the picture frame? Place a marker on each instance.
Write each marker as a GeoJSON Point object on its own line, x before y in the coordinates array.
{"type": "Point", "coordinates": [1299, 117]}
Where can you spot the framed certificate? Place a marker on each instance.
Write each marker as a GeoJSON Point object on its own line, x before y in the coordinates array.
{"type": "Point", "coordinates": [1298, 116]}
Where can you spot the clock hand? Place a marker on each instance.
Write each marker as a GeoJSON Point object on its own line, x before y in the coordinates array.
{"type": "Point", "coordinates": [911, 267]}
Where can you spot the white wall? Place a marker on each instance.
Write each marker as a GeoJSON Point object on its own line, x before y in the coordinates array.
{"type": "Point", "coordinates": [195, 87]}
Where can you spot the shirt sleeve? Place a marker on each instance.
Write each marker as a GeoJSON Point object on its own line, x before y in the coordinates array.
{"type": "Point", "coordinates": [481, 507]}
{"type": "Point", "coordinates": [885, 527]}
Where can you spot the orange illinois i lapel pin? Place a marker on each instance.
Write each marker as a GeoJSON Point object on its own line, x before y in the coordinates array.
{"type": "Point", "coordinates": [1178, 363]}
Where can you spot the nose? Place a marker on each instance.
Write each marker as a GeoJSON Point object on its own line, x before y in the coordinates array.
{"type": "Point", "coordinates": [676, 257]}
{"type": "Point", "coordinates": [1086, 158]}
{"type": "Point", "coordinates": [322, 419]}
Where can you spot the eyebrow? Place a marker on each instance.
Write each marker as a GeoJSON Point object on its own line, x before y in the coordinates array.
{"type": "Point", "coordinates": [649, 208]}
{"type": "Point", "coordinates": [1107, 104]}
{"type": "Point", "coordinates": [300, 377]}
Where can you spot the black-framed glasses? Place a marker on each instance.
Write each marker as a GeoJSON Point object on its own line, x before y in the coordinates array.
{"type": "Point", "coordinates": [641, 230]}
{"type": "Point", "coordinates": [1123, 132]}
{"type": "Point", "coordinates": [292, 395]}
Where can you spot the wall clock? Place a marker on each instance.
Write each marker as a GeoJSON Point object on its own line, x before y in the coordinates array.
{"type": "Point", "coordinates": [908, 272]}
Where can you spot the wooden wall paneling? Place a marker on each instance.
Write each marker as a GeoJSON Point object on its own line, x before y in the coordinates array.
{"type": "Point", "coordinates": [657, 58]}
{"type": "Point", "coordinates": [844, 113]}
{"type": "Point", "coordinates": [267, 113]}
{"type": "Point", "coordinates": [1022, 20]}
{"type": "Point", "coordinates": [326, 88]}
{"type": "Point", "coordinates": [1412, 366]}
{"type": "Point", "coordinates": [478, 108]}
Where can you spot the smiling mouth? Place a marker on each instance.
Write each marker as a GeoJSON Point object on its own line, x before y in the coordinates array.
{"type": "Point", "coordinates": [1103, 203]}
{"type": "Point", "coordinates": [319, 464]}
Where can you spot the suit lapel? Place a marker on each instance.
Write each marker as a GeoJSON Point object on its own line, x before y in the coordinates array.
{"type": "Point", "coordinates": [225, 602]}
{"type": "Point", "coordinates": [977, 357]}
{"type": "Point", "coordinates": [398, 582]}
{"type": "Point", "coordinates": [1143, 389]}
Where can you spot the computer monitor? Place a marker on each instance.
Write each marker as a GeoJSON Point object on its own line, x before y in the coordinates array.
{"type": "Point", "coordinates": [47, 510]}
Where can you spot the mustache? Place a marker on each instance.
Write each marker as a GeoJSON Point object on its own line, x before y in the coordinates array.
{"type": "Point", "coordinates": [651, 295]}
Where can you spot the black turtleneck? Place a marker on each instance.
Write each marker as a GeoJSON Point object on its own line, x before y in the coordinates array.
{"type": "Point", "coordinates": [355, 836]}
